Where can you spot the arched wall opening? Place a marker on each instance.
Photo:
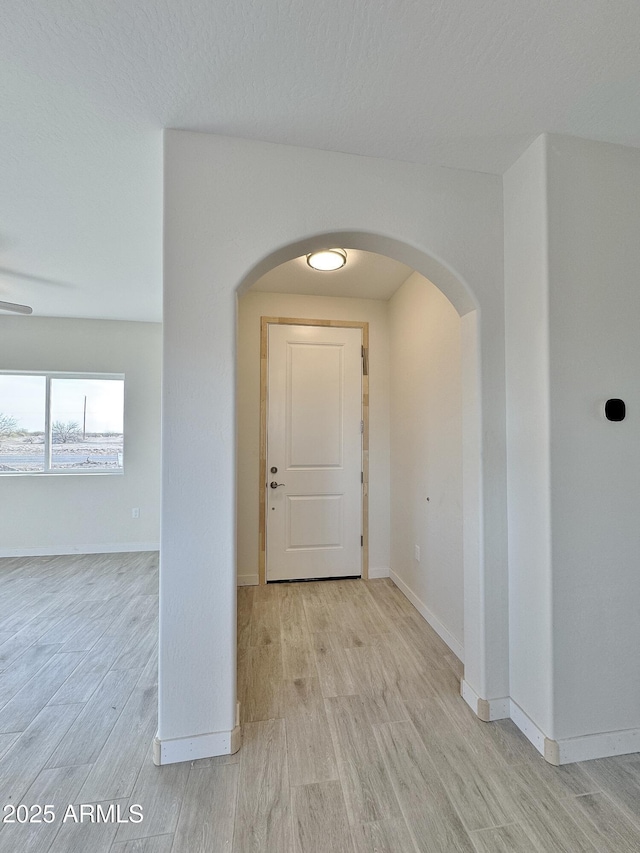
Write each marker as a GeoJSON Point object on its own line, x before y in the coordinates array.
{"type": "Point", "coordinates": [430, 266]}
{"type": "Point", "coordinates": [459, 295]}
{"type": "Point", "coordinates": [232, 209]}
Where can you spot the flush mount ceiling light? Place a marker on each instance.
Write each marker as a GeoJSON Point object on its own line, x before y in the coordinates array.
{"type": "Point", "coordinates": [327, 259]}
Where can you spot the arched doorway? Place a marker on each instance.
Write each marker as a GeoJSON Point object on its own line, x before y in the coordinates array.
{"type": "Point", "coordinates": [460, 296]}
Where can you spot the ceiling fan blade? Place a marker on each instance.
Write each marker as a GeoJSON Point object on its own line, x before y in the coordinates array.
{"type": "Point", "coordinates": [17, 309]}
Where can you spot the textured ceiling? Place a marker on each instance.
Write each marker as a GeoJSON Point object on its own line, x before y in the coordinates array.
{"type": "Point", "coordinates": [86, 86]}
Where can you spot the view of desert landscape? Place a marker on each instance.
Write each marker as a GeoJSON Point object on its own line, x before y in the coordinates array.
{"type": "Point", "coordinates": [26, 453]}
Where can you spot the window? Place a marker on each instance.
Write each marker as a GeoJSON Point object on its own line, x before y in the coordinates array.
{"type": "Point", "coordinates": [61, 423]}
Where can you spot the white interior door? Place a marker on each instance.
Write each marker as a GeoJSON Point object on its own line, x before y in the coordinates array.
{"type": "Point", "coordinates": [314, 452]}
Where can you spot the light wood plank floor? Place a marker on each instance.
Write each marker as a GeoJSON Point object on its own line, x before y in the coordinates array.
{"type": "Point", "coordinates": [355, 736]}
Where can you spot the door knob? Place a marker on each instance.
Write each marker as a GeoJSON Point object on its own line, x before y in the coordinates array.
{"type": "Point", "coordinates": [275, 485]}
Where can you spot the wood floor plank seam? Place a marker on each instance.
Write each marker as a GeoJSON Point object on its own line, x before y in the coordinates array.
{"type": "Point", "coordinates": [612, 829]}
{"type": "Point", "coordinates": [179, 810]}
{"type": "Point", "coordinates": [634, 818]}
{"type": "Point", "coordinates": [406, 787]}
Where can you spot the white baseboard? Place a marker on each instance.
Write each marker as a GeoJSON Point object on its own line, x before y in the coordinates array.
{"type": "Point", "coordinates": [600, 745]}
{"type": "Point", "coordinates": [424, 611]}
{"type": "Point", "coordinates": [486, 709]}
{"type": "Point", "coordinates": [379, 573]}
{"type": "Point", "coordinates": [65, 550]}
{"type": "Point", "coordinates": [527, 727]}
{"type": "Point", "coordinates": [175, 750]}
{"type": "Point", "coordinates": [583, 748]}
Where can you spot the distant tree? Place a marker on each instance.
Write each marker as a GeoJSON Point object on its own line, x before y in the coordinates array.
{"type": "Point", "coordinates": [8, 424]}
{"type": "Point", "coordinates": [64, 432]}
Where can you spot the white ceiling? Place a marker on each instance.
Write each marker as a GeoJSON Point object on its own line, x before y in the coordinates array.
{"type": "Point", "coordinates": [87, 85]}
{"type": "Point", "coordinates": [366, 275]}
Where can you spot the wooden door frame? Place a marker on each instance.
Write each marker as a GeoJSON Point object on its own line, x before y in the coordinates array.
{"type": "Point", "coordinates": [265, 322]}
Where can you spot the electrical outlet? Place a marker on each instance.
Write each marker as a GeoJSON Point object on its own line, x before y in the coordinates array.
{"type": "Point", "coordinates": [135, 512]}
{"type": "Point", "coordinates": [416, 553]}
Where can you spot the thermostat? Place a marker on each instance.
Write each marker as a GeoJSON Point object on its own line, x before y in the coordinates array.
{"type": "Point", "coordinates": [615, 410]}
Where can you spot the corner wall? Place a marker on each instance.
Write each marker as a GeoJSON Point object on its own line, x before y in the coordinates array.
{"type": "Point", "coordinates": [84, 513]}
{"type": "Point", "coordinates": [251, 307]}
{"type": "Point", "coordinates": [528, 435]}
{"type": "Point", "coordinates": [594, 259]}
{"type": "Point", "coordinates": [572, 254]}
{"type": "Point", "coordinates": [426, 454]}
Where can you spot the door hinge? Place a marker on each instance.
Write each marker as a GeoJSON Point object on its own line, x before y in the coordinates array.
{"type": "Point", "coordinates": [362, 476]}
{"type": "Point", "coordinates": [361, 427]}
{"type": "Point", "coordinates": [365, 361]}
{"type": "Point", "coordinates": [362, 541]}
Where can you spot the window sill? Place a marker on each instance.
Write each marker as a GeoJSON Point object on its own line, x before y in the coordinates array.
{"type": "Point", "coordinates": [61, 473]}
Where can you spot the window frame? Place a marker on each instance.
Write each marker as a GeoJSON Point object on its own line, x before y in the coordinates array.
{"type": "Point", "coordinates": [47, 470]}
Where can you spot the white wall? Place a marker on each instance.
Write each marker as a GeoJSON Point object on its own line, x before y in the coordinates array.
{"type": "Point", "coordinates": [49, 514]}
{"type": "Point", "coordinates": [233, 209]}
{"type": "Point", "coordinates": [594, 262]}
{"type": "Point", "coordinates": [572, 254]}
{"type": "Point", "coordinates": [251, 307]}
{"type": "Point", "coordinates": [426, 453]}
{"type": "Point", "coordinates": [528, 441]}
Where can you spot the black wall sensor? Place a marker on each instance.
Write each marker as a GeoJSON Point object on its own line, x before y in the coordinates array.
{"type": "Point", "coordinates": [615, 410]}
